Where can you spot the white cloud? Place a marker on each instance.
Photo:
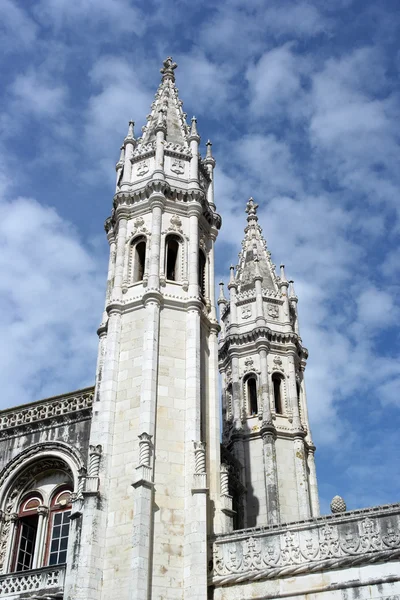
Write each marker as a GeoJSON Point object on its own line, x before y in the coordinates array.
{"type": "Point", "coordinates": [275, 80]}
{"type": "Point", "coordinates": [35, 95]}
{"type": "Point", "coordinates": [120, 15]}
{"type": "Point", "coordinates": [121, 97]}
{"type": "Point", "coordinates": [19, 31]}
{"type": "Point", "coordinates": [51, 295]}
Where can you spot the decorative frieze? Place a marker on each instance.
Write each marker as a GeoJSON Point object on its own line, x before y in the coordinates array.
{"type": "Point", "coordinates": [57, 410]}
{"type": "Point", "coordinates": [355, 538]}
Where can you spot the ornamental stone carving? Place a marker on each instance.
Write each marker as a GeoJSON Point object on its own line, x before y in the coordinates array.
{"type": "Point", "coordinates": [142, 168]}
{"type": "Point", "coordinates": [273, 311]}
{"type": "Point", "coordinates": [249, 364]}
{"type": "Point", "coordinates": [246, 312]}
{"type": "Point", "coordinates": [361, 537]}
{"type": "Point", "coordinates": [338, 505]}
{"type": "Point", "coordinates": [178, 166]}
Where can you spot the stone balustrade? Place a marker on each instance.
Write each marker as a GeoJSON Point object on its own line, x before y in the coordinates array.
{"type": "Point", "coordinates": [32, 584]}
{"type": "Point", "coordinates": [345, 540]}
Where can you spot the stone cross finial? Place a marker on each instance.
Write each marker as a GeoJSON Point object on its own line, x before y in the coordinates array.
{"type": "Point", "coordinates": [251, 209]}
{"type": "Point", "coordinates": [168, 69]}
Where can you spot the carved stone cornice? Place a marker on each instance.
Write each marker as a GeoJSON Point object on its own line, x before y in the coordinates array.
{"type": "Point", "coordinates": [257, 335]}
{"type": "Point", "coordinates": [354, 538]}
{"type": "Point", "coordinates": [52, 412]}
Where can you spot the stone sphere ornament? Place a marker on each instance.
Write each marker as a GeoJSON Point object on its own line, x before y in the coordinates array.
{"type": "Point", "coordinates": [338, 505]}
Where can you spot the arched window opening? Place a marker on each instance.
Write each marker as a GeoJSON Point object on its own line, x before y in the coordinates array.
{"type": "Point", "coordinates": [252, 396]}
{"type": "Point", "coordinates": [172, 258]}
{"type": "Point", "coordinates": [202, 273]}
{"type": "Point", "coordinates": [59, 525]}
{"type": "Point", "coordinates": [139, 259]}
{"type": "Point", "coordinates": [26, 534]}
{"type": "Point", "coordinates": [40, 532]}
{"type": "Point", "coordinates": [277, 383]}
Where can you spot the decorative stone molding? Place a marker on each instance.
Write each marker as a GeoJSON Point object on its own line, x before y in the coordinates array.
{"type": "Point", "coordinates": [47, 579]}
{"type": "Point", "coordinates": [142, 168]}
{"type": "Point", "coordinates": [200, 476]}
{"type": "Point", "coordinates": [144, 470]}
{"type": "Point", "coordinates": [330, 542]}
{"type": "Point", "coordinates": [92, 478]}
{"type": "Point", "coordinates": [60, 410]}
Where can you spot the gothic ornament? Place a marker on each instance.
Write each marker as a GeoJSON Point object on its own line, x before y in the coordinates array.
{"type": "Point", "coordinates": [142, 168]}
{"type": "Point", "coordinates": [273, 311]}
{"type": "Point", "coordinates": [178, 166]}
{"type": "Point", "coordinates": [246, 312]}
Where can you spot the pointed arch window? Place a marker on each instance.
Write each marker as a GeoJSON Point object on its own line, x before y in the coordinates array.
{"type": "Point", "coordinates": [251, 395]}
{"type": "Point", "coordinates": [172, 257]}
{"type": "Point", "coordinates": [202, 272]}
{"type": "Point", "coordinates": [277, 388]}
{"type": "Point", "coordinates": [139, 258]}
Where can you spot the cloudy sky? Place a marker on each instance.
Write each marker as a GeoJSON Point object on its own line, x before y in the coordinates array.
{"type": "Point", "coordinates": [301, 101]}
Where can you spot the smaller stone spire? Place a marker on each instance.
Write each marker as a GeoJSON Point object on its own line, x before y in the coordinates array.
{"type": "Point", "coordinates": [221, 297]}
{"type": "Point", "coordinates": [283, 276]}
{"type": "Point", "coordinates": [231, 276]}
{"type": "Point", "coordinates": [292, 293]}
{"type": "Point", "coordinates": [168, 69]}
{"type": "Point", "coordinates": [131, 133]}
{"type": "Point", "coordinates": [193, 130]}
{"type": "Point", "coordinates": [121, 160]}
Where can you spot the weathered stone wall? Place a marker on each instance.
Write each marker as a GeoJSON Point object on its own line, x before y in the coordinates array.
{"type": "Point", "coordinates": [63, 418]}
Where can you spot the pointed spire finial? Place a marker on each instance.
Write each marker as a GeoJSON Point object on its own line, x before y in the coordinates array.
{"type": "Point", "coordinates": [292, 293]}
{"type": "Point", "coordinates": [283, 276]}
{"type": "Point", "coordinates": [251, 209]}
{"type": "Point", "coordinates": [168, 69]}
{"type": "Point", "coordinates": [193, 127]}
{"type": "Point", "coordinates": [209, 151]}
{"type": "Point", "coordinates": [232, 274]}
{"type": "Point", "coordinates": [221, 298]}
{"type": "Point", "coordinates": [131, 132]}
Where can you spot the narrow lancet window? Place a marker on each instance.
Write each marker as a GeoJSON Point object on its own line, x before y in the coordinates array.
{"type": "Point", "coordinates": [202, 273]}
{"type": "Point", "coordinates": [252, 396]}
{"type": "Point", "coordinates": [139, 259]}
{"type": "Point", "coordinates": [277, 384]}
{"type": "Point", "coordinates": [172, 258]}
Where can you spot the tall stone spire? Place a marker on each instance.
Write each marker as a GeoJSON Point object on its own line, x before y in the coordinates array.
{"type": "Point", "coordinates": [262, 363]}
{"type": "Point", "coordinates": [167, 103]}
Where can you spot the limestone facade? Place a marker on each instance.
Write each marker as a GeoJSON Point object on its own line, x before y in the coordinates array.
{"type": "Point", "coordinates": [125, 490]}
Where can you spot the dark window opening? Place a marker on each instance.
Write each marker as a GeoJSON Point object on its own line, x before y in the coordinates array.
{"type": "Point", "coordinates": [276, 380]}
{"type": "Point", "coordinates": [252, 396]}
{"type": "Point", "coordinates": [172, 256]}
{"type": "Point", "coordinates": [26, 542]}
{"type": "Point", "coordinates": [139, 261]}
{"type": "Point", "coordinates": [202, 273]}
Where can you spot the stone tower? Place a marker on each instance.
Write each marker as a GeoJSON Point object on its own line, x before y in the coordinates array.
{"type": "Point", "coordinates": [268, 450]}
{"type": "Point", "coordinates": [155, 427]}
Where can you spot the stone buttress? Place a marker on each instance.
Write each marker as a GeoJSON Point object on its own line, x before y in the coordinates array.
{"type": "Point", "coordinates": [156, 411]}
{"type": "Point", "coordinates": [268, 454]}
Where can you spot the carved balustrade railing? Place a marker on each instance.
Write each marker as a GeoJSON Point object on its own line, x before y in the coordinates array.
{"type": "Point", "coordinates": [29, 416]}
{"type": "Point", "coordinates": [331, 542]}
{"type": "Point", "coordinates": [27, 583]}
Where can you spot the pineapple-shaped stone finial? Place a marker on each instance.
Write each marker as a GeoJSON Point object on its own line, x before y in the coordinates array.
{"type": "Point", "coordinates": [338, 505]}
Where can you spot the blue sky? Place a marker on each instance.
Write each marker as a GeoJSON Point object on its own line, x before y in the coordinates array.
{"type": "Point", "coordinates": [301, 101]}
